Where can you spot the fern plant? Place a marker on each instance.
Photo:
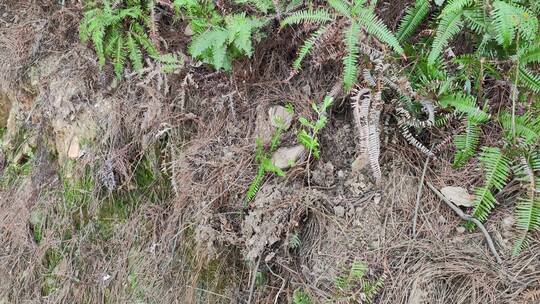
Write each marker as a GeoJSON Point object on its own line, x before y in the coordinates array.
{"type": "Point", "coordinates": [218, 40]}
{"type": "Point", "coordinates": [357, 16]}
{"type": "Point", "coordinates": [264, 158]}
{"type": "Point", "coordinates": [310, 140]}
{"type": "Point", "coordinates": [119, 33]}
{"type": "Point", "coordinates": [504, 24]}
{"type": "Point", "coordinates": [353, 287]}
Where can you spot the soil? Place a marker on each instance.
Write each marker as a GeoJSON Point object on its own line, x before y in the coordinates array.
{"type": "Point", "coordinates": [134, 192]}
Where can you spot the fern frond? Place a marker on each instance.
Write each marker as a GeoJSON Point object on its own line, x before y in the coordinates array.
{"type": "Point", "coordinates": [308, 46]}
{"type": "Point", "coordinates": [119, 57]}
{"type": "Point", "coordinates": [143, 40]}
{"type": "Point", "coordinates": [466, 144]}
{"type": "Point", "coordinates": [316, 16]}
{"type": "Point", "coordinates": [529, 54]}
{"type": "Point", "coordinates": [526, 126]}
{"type": "Point", "coordinates": [529, 79]}
{"type": "Point", "coordinates": [374, 26]}
{"type": "Point", "coordinates": [509, 18]}
{"type": "Point", "coordinates": [358, 270]}
{"type": "Point", "coordinates": [521, 243]}
{"type": "Point", "coordinates": [341, 7]}
{"type": "Point", "coordinates": [465, 104]}
{"type": "Point", "coordinates": [527, 210]}
{"type": "Point", "coordinates": [413, 17]}
{"type": "Point", "coordinates": [449, 26]}
{"type": "Point", "coordinates": [497, 170]}
{"type": "Point", "coordinates": [135, 55]}
{"type": "Point", "coordinates": [361, 105]}
{"type": "Point", "coordinates": [476, 19]}
{"type": "Point", "coordinates": [240, 28]}
{"type": "Point", "coordinates": [254, 186]}
{"type": "Point", "coordinates": [484, 202]}
{"type": "Point", "coordinates": [350, 60]}
{"type": "Point", "coordinates": [454, 6]}
{"type": "Point", "coordinates": [97, 39]}
{"type": "Point", "coordinates": [528, 214]}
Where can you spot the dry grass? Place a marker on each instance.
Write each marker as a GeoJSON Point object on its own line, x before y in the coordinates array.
{"type": "Point", "coordinates": [153, 210]}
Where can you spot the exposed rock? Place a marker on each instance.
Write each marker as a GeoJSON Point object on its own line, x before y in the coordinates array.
{"type": "Point", "coordinates": [280, 117]}
{"type": "Point", "coordinates": [269, 120]}
{"type": "Point", "coordinates": [286, 157]}
{"type": "Point", "coordinates": [458, 196]}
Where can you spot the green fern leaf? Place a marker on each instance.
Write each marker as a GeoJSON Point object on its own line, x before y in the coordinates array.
{"type": "Point", "coordinates": [530, 54]}
{"type": "Point", "coordinates": [449, 26]}
{"type": "Point", "coordinates": [527, 210]}
{"type": "Point", "coordinates": [135, 55]}
{"type": "Point", "coordinates": [497, 170]}
{"type": "Point", "coordinates": [476, 19]}
{"type": "Point", "coordinates": [358, 270]}
{"type": "Point", "coordinates": [526, 127]}
{"type": "Point", "coordinates": [521, 243]}
{"type": "Point", "coordinates": [308, 46]}
{"type": "Point", "coordinates": [316, 16]}
{"type": "Point", "coordinates": [119, 57]}
{"type": "Point", "coordinates": [350, 61]}
{"type": "Point", "coordinates": [509, 18]}
{"type": "Point", "coordinates": [455, 6]}
{"type": "Point", "coordinates": [484, 202]}
{"type": "Point", "coordinates": [97, 39]}
{"type": "Point", "coordinates": [143, 40]}
{"type": "Point", "coordinates": [254, 186]}
{"type": "Point", "coordinates": [466, 144]}
{"type": "Point", "coordinates": [414, 16]}
{"type": "Point", "coordinates": [529, 79]}
{"type": "Point", "coordinates": [528, 214]}
{"type": "Point", "coordinates": [465, 104]}
{"type": "Point", "coordinates": [240, 29]}
{"type": "Point", "coordinates": [377, 28]}
{"type": "Point", "coordinates": [341, 7]}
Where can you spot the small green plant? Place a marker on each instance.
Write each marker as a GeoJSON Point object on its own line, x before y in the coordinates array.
{"type": "Point", "coordinates": [119, 32]}
{"type": "Point", "coordinates": [356, 16]}
{"type": "Point", "coordinates": [301, 297]}
{"type": "Point", "coordinates": [263, 157]}
{"type": "Point", "coordinates": [218, 40]}
{"type": "Point", "coordinates": [221, 45]}
{"type": "Point", "coordinates": [294, 241]}
{"type": "Point", "coordinates": [309, 139]}
{"type": "Point", "coordinates": [504, 28]}
{"type": "Point", "coordinates": [353, 287]}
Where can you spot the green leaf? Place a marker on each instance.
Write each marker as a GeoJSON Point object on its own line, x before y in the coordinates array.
{"type": "Point", "coordinates": [413, 18]}
{"type": "Point", "coordinates": [377, 28]}
{"type": "Point", "coordinates": [350, 61]}
{"type": "Point", "coordinates": [316, 16]}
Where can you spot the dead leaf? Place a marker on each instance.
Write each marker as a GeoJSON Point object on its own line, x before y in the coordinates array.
{"type": "Point", "coordinates": [459, 196]}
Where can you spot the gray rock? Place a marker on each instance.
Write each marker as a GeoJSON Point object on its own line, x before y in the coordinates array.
{"type": "Point", "coordinates": [286, 157]}
{"type": "Point", "coordinates": [280, 117]}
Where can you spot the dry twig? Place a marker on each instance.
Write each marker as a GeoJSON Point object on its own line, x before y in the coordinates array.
{"type": "Point", "coordinates": [467, 217]}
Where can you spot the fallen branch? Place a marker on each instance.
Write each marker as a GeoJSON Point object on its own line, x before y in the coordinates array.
{"type": "Point", "coordinates": [467, 217]}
